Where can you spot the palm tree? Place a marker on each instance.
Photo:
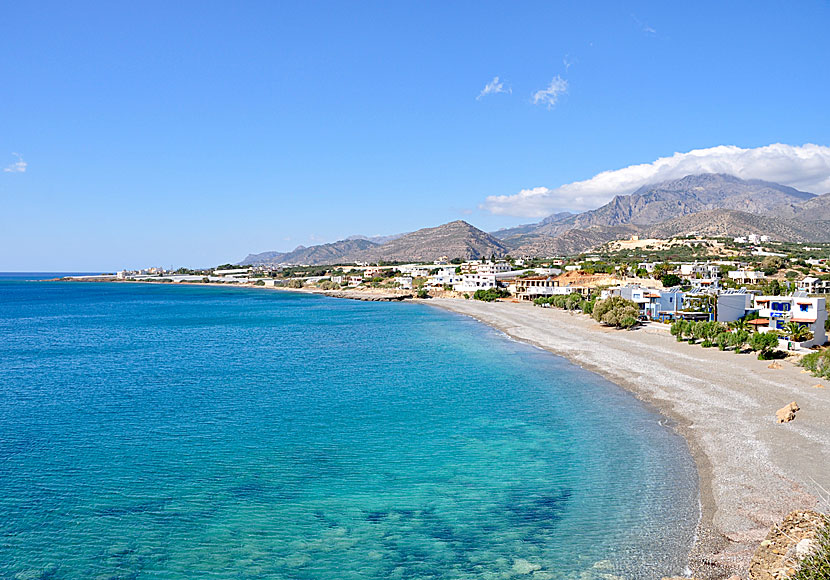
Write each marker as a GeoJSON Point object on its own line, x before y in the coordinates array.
{"type": "Point", "coordinates": [739, 324]}
{"type": "Point", "coordinates": [797, 332]}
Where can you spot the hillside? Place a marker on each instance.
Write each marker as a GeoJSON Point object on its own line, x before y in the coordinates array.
{"type": "Point", "coordinates": [331, 253]}
{"type": "Point", "coordinates": [811, 210]}
{"type": "Point", "coordinates": [456, 239]}
{"type": "Point", "coordinates": [572, 241]}
{"type": "Point", "coordinates": [727, 223]}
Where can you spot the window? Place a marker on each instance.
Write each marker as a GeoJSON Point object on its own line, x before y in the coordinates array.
{"type": "Point", "coordinates": [780, 306]}
{"type": "Point", "coordinates": [804, 307]}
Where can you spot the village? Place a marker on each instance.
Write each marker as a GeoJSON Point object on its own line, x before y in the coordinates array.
{"type": "Point", "coordinates": [768, 287]}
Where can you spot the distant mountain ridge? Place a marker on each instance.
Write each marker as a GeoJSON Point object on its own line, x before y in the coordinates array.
{"type": "Point", "coordinates": [670, 200]}
{"type": "Point", "coordinates": [456, 239]}
{"type": "Point", "coordinates": [711, 204]}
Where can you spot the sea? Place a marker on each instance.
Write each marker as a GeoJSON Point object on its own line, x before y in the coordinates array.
{"type": "Point", "coordinates": [173, 431]}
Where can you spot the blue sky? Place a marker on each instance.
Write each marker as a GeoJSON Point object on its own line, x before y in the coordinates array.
{"type": "Point", "coordinates": [176, 133]}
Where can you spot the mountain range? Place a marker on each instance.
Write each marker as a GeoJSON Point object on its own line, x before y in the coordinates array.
{"type": "Point", "coordinates": [710, 204]}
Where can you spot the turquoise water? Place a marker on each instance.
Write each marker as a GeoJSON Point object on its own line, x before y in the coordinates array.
{"type": "Point", "coordinates": [187, 432]}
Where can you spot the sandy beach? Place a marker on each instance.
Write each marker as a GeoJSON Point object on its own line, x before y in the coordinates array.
{"type": "Point", "coordinates": [753, 471]}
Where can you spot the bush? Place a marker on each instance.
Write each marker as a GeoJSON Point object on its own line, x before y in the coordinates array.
{"type": "Point", "coordinates": [738, 339]}
{"type": "Point", "coordinates": [295, 283]}
{"type": "Point", "coordinates": [422, 293]}
{"type": "Point", "coordinates": [818, 363]}
{"type": "Point", "coordinates": [616, 311]}
{"type": "Point", "coordinates": [723, 340]}
{"type": "Point", "coordinates": [764, 343]}
{"type": "Point", "coordinates": [259, 283]}
{"type": "Point", "coordinates": [670, 280]}
{"type": "Point", "coordinates": [816, 566]}
{"type": "Point", "coordinates": [490, 295]}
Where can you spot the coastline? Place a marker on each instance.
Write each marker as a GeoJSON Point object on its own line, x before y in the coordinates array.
{"type": "Point", "coordinates": [752, 471]}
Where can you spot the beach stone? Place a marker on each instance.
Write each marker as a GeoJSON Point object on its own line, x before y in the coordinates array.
{"type": "Point", "coordinates": [818, 386]}
{"type": "Point", "coordinates": [775, 365]}
{"type": "Point", "coordinates": [780, 554]}
{"type": "Point", "coordinates": [786, 414]}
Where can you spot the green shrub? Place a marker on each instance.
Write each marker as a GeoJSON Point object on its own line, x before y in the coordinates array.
{"type": "Point", "coordinates": [616, 311]}
{"type": "Point", "coordinates": [422, 293]}
{"type": "Point", "coordinates": [764, 343]}
{"type": "Point", "coordinates": [738, 339]}
{"type": "Point", "coordinates": [816, 566]}
{"type": "Point", "coordinates": [490, 295]}
{"type": "Point", "coordinates": [818, 363]}
{"type": "Point", "coordinates": [723, 340]}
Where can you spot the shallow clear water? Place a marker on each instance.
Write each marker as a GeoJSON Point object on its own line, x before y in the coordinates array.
{"type": "Point", "coordinates": [185, 432]}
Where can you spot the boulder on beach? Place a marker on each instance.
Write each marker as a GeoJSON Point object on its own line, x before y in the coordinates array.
{"type": "Point", "coordinates": [775, 365]}
{"type": "Point", "coordinates": [786, 414]}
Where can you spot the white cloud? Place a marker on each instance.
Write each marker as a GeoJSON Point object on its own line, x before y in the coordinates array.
{"type": "Point", "coordinates": [643, 26]}
{"type": "Point", "coordinates": [805, 167]}
{"type": "Point", "coordinates": [568, 62]}
{"type": "Point", "coordinates": [18, 166]}
{"type": "Point", "coordinates": [549, 96]}
{"type": "Point", "coordinates": [493, 87]}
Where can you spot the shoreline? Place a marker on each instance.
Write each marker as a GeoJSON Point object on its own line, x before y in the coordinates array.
{"type": "Point", "coordinates": [748, 480]}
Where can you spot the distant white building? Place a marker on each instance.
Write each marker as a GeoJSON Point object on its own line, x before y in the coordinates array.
{"type": "Point", "coordinates": [404, 282]}
{"type": "Point", "coordinates": [700, 270]}
{"type": "Point", "coordinates": [473, 282]}
{"type": "Point", "coordinates": [813, 285]}
{"type": "Point", "coordinates": [236, 272]}
{"type": "Point", "coordinates": [747, 276]}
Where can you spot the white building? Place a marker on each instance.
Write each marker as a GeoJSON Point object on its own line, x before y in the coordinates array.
{"type": "Point", "coordinates": [445, 276]}
{"type": "Point", "coordinates": [700, 270]}
{"type": "Point", "coordinates": [473, 282]}
{"type": "Point", "coordinates": [813, 285]}
{"type": "Point", "coordinates": [480, 267]}
{"type": "Point", "coordinates": [774, 312]}
{"type": "Point", "coordinates": [414, 270]}
{"type": "Point", "coordinates": [747, 276]}
{"type": "Point", "coordinates": [404, 282]}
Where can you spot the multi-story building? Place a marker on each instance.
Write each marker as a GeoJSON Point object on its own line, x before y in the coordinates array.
{"type": "Point", "coordinates": [528, 289]}
{"type": "Point", "coordinates": [813, 285]}
{"type": "Point", "coordinates": [774, 312]}
{"type": "Point", "coordinates": [473, 282]}
{"type": "Point", "coordinates": [698, 270]}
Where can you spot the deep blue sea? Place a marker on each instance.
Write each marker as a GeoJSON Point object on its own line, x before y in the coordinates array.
{"type": "Point", "coordinates": [164, 432]}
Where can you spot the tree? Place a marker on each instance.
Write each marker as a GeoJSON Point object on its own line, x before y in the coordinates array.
{"type": "Point", "coordinates": [676, 330]}
{"type": "Point", "coordinates": [738, 339]}
{"type": "Point", "coordinates": [764, 343]}
{"type": "Point", "coordinates": [615, 311]}
{"type": "Point", "coordinates": [797, 332]}
{"type": "Point", "coordinates": [723, 340]}
{"type": "Point", "coordinates": [771, 264]}
{"type": "Point", "coordinates": [670, 280]}
{"type": "Point", "coordinates": [772, 289]}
